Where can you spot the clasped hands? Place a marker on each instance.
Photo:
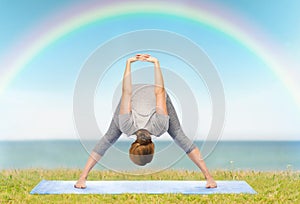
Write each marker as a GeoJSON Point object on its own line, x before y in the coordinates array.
{"type": "Point", "coordinates": [142, 57]}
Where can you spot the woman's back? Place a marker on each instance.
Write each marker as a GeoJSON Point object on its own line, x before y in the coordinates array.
{"type": "Point", "coordinates": [143, 112]}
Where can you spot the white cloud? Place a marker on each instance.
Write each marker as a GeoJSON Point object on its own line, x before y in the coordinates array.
{"type": "Point", "coordinates": [265, 114]}
{"type": "Point", "coordinates": [36, 115]}
{"type": "Point", "coordinates": [262, 115]}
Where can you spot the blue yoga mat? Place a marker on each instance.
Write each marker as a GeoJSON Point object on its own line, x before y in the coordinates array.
{"type": "Point", "coordinates": [147, 187]}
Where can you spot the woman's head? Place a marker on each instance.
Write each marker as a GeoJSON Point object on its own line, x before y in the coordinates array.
{"type": "Point", "coordinates": [142, 150]}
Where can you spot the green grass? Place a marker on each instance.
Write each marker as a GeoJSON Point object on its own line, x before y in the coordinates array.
{"type": "Point", "coordinates": [272, 187]}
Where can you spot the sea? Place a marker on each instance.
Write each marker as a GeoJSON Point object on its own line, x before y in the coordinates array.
{"type": "Point", "coordinates": [224, 155]}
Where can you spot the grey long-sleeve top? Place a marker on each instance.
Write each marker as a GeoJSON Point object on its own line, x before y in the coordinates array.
{"type": "Point", "coordinates": [173, 127]}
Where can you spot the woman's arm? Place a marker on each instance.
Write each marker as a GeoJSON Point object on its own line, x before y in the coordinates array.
{"type": "Point", "coordinates": [127, 86]}
{"type": "Point", "coordinates": [126, 89]}
{"type": "Point", "coordinates": [160, 93]}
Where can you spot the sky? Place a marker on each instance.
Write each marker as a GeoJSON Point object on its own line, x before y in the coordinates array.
{"type": "Point", "coordinates": [38, 102]}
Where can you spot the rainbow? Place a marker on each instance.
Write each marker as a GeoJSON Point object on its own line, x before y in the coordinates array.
{"type": "Point", "coordinates": [83, 15]}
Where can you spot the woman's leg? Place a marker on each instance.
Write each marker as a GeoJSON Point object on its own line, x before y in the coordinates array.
{"type": "Point", "coordinates": [196, 157]}
{"type": "Point", "coordinates": [92, 160]}
{"type": "Point", "coordinates": [175, 129]}
{"type": "Point", "coordinates": [176, 132]}
{"type": "Point", "coordinates": [110, 137]}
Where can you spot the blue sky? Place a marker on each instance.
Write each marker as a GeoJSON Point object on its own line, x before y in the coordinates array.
{"type": "Point", "coordinates": [38, 103]}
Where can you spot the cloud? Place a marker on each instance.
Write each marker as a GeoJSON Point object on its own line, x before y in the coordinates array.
{"type": "Point", "coordinates": [36, 115]}
{"type": "Point", "coordinates": [264, 114]}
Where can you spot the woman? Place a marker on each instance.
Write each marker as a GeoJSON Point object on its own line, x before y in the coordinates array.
{"type": "Point", "coordinates": [144, 110]}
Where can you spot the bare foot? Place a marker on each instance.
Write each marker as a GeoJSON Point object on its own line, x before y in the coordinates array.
{"type": "Point", "coordinates": [80, 183]}
{"type": "Point", "coordinates": [210, 183]}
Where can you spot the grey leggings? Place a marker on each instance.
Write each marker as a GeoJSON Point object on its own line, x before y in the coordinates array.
{"type": "Point", "coordinates": [175, 131]}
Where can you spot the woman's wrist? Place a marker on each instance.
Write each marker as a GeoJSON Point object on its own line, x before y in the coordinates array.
{"type": "Point", "coordinates": [130, 60]}
{"type": "Point", "coordinates": [154, 61]}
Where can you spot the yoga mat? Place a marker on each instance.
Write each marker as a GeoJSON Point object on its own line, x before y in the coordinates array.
{"type": "Point", "coordinates": [147, 187]}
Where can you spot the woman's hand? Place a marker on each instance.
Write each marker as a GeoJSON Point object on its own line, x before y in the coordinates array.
{"type": "Point", "coordinates": [133, 59]}
{"type": "Point", "coordinates": [137, 57]}
{"type": "Point", "coordinates": [149, 58]}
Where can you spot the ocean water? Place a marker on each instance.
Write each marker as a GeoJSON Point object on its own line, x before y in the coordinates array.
{"type": "Point", "coordinates": [227, 155]}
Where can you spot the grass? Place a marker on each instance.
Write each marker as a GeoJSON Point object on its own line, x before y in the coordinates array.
{"type": "Point", "coordinates": [272, 187]}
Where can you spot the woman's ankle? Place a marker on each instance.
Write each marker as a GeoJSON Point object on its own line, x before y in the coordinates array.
{"type": "Point", "coordinates": [83, 177]}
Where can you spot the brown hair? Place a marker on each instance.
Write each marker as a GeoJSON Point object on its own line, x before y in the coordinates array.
{"type": "Point", "coordinates": [142, 149]}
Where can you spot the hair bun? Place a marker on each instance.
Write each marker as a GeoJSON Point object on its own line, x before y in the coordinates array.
{"type": "Point", "coordinates": [144, 140]}
{"type": "Point", "coordinates": [143, 137]}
